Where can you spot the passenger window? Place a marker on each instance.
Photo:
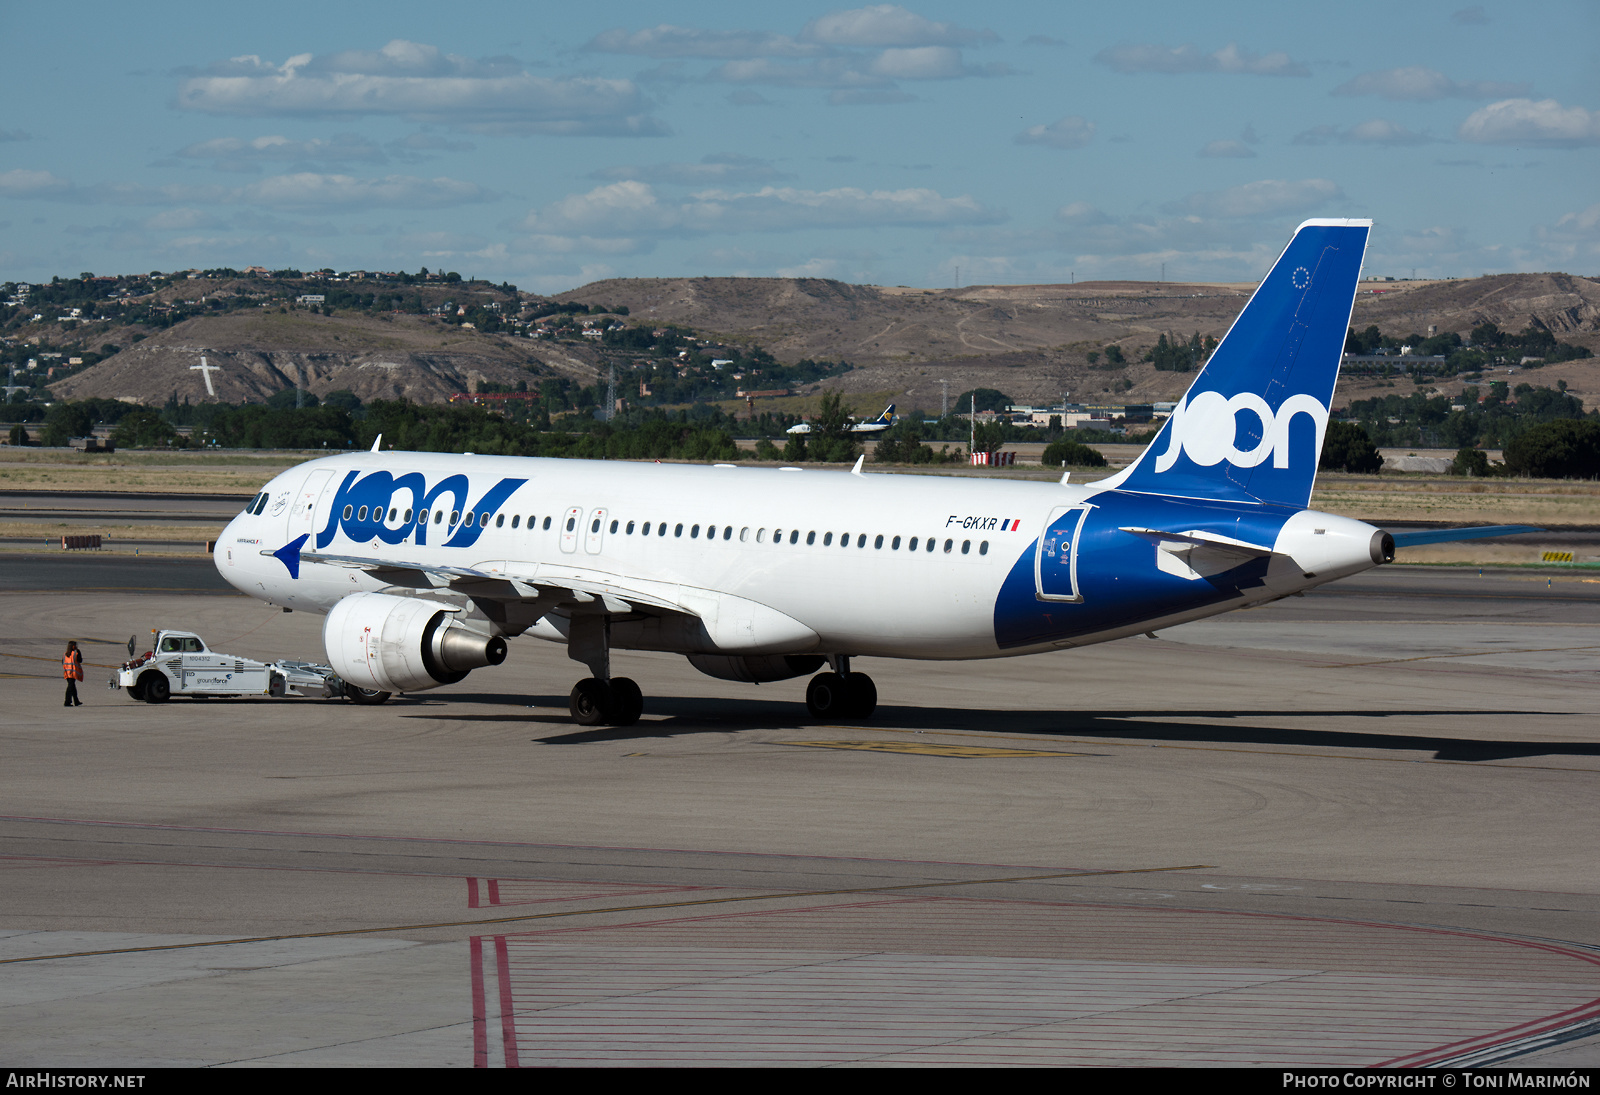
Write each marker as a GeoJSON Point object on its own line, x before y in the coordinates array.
{"type": "Point", "coordinates": [827, 539]}
{"type": "Point", "coordinates": [811, 538]}
{"type": "Point", "coordinates": [913, 545]}
{"type": "Point", "coordinates": [500, 521]}
{"type": "Point", "coordinates": [361, 514]}
{"type": "Point", "coordinates": [546, 525]}
{"type": "Point", "coordinates": [572, 523]}
{"type": "Point", "coordinates": [455, 515]}
{"type": "Point", "coordinates": [794, 536]}
{"type": "Point", "coordinates": [894, 545]}
{"type": "Point", "coordinates": [438, 515]}
{"type": "Point", "coordinates": [948, 544]}
{"type": "Point", "coordinates": [711, 532]}
{"type": "Point", "coordinates": [878, 543]}
{"type": "Point", "coordinates": [483, 519]}
{"type": "Point", "coordinates": [727, 532]}
{"type": "Point", "coordinates": [516, 519]}
{"type": "Point", "coordinates": [931, 543]}
{"type": "Point", "coordinates": [844, 541]}
{"type": "Point", "coordinates": [407, 517]}
{"type": "Point", "coordinates": [744, 534]}
{"type": "Point", "coordinates": [678, 529]}
{"type": "Point", "coordinates": [694, 532]}
{"type": "Point", "coordinates": [348, 510]}
{"type": "Point", "coordinates": [761, 535]}
{"type": "Point", "coordinates": [983, 548]}
{"type": "Point", "coordinates": [468, 521]}
{"type": "Point", "coordinates": [614, 527]}
{"type": "Point", "coordinates": [966, 547]}
{"type": "Point", "coordinates": [861, 541]}
{"type": "Point", "coordinates": [662, 530]}
{"type": "Point", "coordinates": [630, 528]}
{"type": "Point", "coordinates": [595, 525]}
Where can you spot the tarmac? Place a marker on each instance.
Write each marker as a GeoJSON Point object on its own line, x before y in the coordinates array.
{"type": "Point", "coordinates": [1345, 829]}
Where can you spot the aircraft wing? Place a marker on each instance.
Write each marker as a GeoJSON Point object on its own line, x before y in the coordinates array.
{"type": "Point", "coordinates": [480, 582]}
{"type": "Point", "coordinates": [1448, 535]}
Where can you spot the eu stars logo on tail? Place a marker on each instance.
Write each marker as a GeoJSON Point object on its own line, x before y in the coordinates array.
{"type": "Point", "coordinates": [1250, 428]}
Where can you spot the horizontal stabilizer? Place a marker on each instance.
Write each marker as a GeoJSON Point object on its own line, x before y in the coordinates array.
{"type": "Point", "coordinates": [1200, 536]}
{"type": "Point", "coordinates": [1447, 535]}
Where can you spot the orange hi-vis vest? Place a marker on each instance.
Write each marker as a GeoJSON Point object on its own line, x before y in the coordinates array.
{"type": "Point", "coordinates": [72, 665]}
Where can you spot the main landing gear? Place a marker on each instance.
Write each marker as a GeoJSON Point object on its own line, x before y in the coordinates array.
{"type": "Point", "coordinates": [600, 700]}
{"type": "Point", "coordinates": [841, 694]}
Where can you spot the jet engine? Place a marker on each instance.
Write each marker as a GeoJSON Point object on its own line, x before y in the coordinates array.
{"type": "Point", "coordinates": [756, 669]}
{"type": "Point", "coordinates": [403, 644]}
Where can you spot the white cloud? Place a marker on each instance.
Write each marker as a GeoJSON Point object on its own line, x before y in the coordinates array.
{"type": "Point", "coordinates": [889, 25]}
{"type": "Point", "coordinates": [1415, 83]}
{"type": "Point", "coordinates": [300, 190]}
{"type": "Point", "coordinates": [1524, 122]}
{"type": "Point", "coordinates": [631, 208]}
{"type": "Point", "coordinates": [416, 81]}
{"type": "Point", "coordinates": [308, 189]}
{"type": "Point", "coordinates": [1264, 198]}
{"type": "Point", "coordinates": [22, 183]}
{"type": "Point", "coordinates": [1378, 131]}
{"type": "Point", "coordinates": [1186, 58]}
{"type": "Point", "coordinates": [1225, 150]}
{"type": "Point", "coordinates": [670, 41]}
{"type": "Point", "coordinates": [237, 154]}
{"type": "Point", "coordinates": [1472, 16]}
{"type": "Point", "coordinates": [867, 96]}
{"type": "Point", "coordinates": [829, 72]}
{"type": "Point", "coordinates": [1072, 131]}
{"type": "Point", "coordinates": [709, 171]}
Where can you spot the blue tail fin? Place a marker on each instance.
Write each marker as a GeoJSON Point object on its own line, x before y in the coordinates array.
{"type": "Point", "coordinates": [1250, 428]}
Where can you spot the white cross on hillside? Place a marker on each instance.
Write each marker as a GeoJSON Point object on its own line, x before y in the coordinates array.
{"type": "Point", "coordinates": [206, 371]}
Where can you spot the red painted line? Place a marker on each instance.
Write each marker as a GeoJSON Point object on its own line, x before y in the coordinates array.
{"type": "Point", "coordinates": [508, 1015]}
{"type": "Point", "coordinates": [480, 1032]}
{"type": "Point", "coordinates": [472, 894]}
{"type": "Point", "coordinates": [494, 891]}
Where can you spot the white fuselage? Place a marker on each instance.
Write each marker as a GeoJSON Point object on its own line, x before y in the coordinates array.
{"type": "Point", "coordinates": [763, 536]}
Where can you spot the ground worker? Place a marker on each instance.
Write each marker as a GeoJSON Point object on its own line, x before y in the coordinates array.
{"type": "Point", "coordinates": [72, 669]}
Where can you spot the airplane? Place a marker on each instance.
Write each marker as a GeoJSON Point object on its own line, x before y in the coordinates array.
{"type": "Point", "coordinates": [882, 422]}
{"type": "Point", "coordinates": [427, 563]}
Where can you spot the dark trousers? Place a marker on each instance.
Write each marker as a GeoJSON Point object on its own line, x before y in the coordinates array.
{"type": "Point", "coordinates": [72, 694]}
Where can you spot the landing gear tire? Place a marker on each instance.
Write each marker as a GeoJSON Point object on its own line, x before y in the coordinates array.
{"type": "Point", "coordinates": [590, 702]}
{"type": "Point", "coordinates": [830, 696]}
{"type": "Point", "coordinates": [157, 689]}
{"type": "Point", "coordinates": [365, 696]}
{"type": "Point", "coordinates": [863, 696]}
{"type": "Point", "coordinates": [627, 702]}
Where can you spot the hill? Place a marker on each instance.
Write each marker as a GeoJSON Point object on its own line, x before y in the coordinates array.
{"type": "Point", "coordinates": [254, 355]}
{"type": "Point", "coordinates": [1033, 341]}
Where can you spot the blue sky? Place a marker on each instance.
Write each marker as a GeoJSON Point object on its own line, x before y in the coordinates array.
{"type": "Point", "coordinates": [551, 145]}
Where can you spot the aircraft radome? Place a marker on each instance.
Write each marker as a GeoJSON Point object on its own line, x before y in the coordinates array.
{"type": "Point", "coordinates": [426, 564]}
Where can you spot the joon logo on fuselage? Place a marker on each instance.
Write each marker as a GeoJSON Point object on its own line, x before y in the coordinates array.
{"type": "Point", "coordinates": [360, 508]}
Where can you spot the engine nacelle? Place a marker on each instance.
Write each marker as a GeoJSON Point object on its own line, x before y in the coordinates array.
{"type": "Point", "coordinates": [758, 668]}
{"type": "Point", "coordinates": [403, 644]}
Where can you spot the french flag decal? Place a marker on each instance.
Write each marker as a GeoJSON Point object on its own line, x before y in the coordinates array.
{"type": "Point", "coordinates": [1011, 524]}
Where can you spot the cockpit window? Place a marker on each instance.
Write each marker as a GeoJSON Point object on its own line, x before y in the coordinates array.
{"type": "Point", "coordinates": [171, 646]}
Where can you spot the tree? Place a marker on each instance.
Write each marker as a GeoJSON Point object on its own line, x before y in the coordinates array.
{"type": "Point", "coordinates": [1065, 452]}
{"type": "Point", "coordinates": [988, 400]}
{"type": "Point", "coordinates": [1564, 449]}
{"type": "Point", "coordinates": [831, 439]}
{"type": "Point", "coordinates": [1346, 447]}
{"type": "Point", "coordinates": [1470, 461]}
